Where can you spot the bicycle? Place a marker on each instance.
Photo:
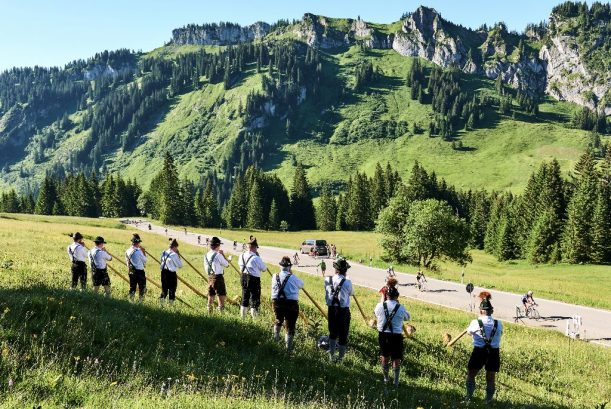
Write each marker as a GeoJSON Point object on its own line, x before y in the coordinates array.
{"type": "Point", "coordinates": [532, 312]}
{"type": "Point", "coordinates": [422, 284]}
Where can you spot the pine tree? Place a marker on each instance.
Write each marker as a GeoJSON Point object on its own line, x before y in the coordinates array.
{"type": "Point", "coordinates": [47, 197]}
{"type": "Point", "coordinates": [187, 190]}
{"type": "Point", "coordinates": [274, 217]}
{"type": "Point", "coordinates": [577, 237]}
{"type": "Point", "coordinates": [326, 212]}
{"type": "Point", "coordinates": [543, 245]}
{"type": "Point", "coordinates": [170, 200]}
{"type": "Point", "coordinates": [255, 218]}
{"type": "Point", "coordinates": [358, 212]}
{"type": "Point", "coordinates": [506, 247]}
{"type": "Point", "coordinates": [340, 220]}
{"type": "Point", "coordinates": [379, 196]}
{"type": "Point", "coordinates": [235, 212]}
{"type": "Point", "coordinates": [302, 208]}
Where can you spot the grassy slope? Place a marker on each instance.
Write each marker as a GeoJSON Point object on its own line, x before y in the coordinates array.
{"type": "Point", "coordinates": [500, 156]}
{"type": "Point", "coordinates": [577, 284]}
{"type": "Point", "coordinates": [50, 339]}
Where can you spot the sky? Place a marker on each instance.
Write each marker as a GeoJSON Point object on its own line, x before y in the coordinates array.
{"type": "Point", "coordinates": [54, 32]}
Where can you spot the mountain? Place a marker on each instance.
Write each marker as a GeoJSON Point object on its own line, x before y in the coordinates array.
{"type": "Point", "coordinates": [480, 107]}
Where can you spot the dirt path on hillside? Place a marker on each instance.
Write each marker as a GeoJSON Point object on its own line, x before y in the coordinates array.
{"type": "Point", "coordinates": [596, 323]}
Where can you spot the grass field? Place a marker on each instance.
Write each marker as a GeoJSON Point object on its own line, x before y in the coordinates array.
{"type": "Point", "coordinates": [62, 348]}
{"type": "Point", "coordinates": [576, 284]}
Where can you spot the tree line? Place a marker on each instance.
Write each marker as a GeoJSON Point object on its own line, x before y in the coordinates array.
{"type": "Point", "coordinates": [555, 219]}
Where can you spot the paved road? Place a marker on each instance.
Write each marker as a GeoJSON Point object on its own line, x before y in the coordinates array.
{"type": "Point", "coordinates": [596, 323]}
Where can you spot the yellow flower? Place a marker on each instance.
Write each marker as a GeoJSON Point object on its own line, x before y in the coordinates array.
{"type": "Point", "coordinates": [191, 377]}
{"type": "Point", "coordinates": [72, 317]}
{"type": "Point", "coordinates": [113, 383]}
{"type": "Point", "coordinates": [77, 358]}
{"type": "Point", "coordinates": [5, 352]}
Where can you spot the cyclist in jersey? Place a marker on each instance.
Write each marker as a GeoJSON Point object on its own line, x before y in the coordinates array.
{"type": "Point", "coordinates": [338, 290]}
{"type": "Point", "coordinates": [78, 255]}
{"type": "Point", "coordinates": [136, 261]}
{"type": "Point", "coordinates": [528, 300]}
{"type": "Point", "coordinates": [251, 266]}
{"type": "Point", "coordinates": [486, 333]}
{"type": "Point", "coordinates": [215, 263]}
{"type": "Point", "coordinates": [420, 278]}
{"type": "Point", "coordinates": [285, 301]}
{"type": "Point", "coordinates": [98, 257]}
{"type": "Point", "coordinates": [170, 262]}
{"type": "Point", "coordinates": [390, 316]}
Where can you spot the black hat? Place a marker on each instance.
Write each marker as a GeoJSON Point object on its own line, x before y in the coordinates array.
{"type": "Point", "coordinates": [486, 305]}
{"type": "Point", "coordinates": [341, 264]}
{"type": "Point", "coordinates": [285, 262]}
{"type": "Point", "coordinates": [215, 241]}
{"type": "Point", "coordinates": [253, 241]}
{"type": "Point", "coordinates": [392, 292]}
{"type": "Point", "coordinates": [136, 238]}
{"type": "Point", "coordinates": [99, 240]}
{"type": "Point", "coordinates": [173, 243]}
{"type": "Point", "coordinates": [76, 236]}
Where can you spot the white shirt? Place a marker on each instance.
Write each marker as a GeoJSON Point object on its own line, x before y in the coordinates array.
{"type": "Point", "coordinates": [98, 258]}
{"type": "Point", "coordinates": [171, 260]}
{"type": "Point", "coordinates": [345, 292]}
{"type": "Point", "coordinates": [291, 288]}
{"type": "Point", "coordinates": [254, 264]}
{"type": "Point", "coordinates": [488, 321]}
{"type": "Point", "coordinates": [77, 252]}
{"type": "Point", "coordinates": [218, 264]}
{"type": "Point", "coordinates": [136, 256]}
{"type": "Point", "coordinates": [396, 326]}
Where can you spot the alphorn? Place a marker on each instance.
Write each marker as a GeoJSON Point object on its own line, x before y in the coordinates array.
{"type": "Point", "coordinates": [155, 283]}
{"type": "Point", "coordinates": [113, 269]}
{"type": "Point", "coordinates": [457, 338]}
{"type": "Point", "coordinates": [309, 296]}
{"type": "Point", "coordinates": [195, 290]}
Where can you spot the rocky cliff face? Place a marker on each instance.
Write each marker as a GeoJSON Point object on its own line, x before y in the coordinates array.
{"type": "Point", "coordinates": [569, 79]}
{"type": "Point", "coordinates": [219, 34]}
{"type": "Point", "coordinates": [316, 32]}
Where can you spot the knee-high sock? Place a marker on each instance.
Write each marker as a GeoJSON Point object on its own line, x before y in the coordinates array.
{"type": "Point", "coordinates": [342, 352]}
{"type": "Point", "coordinates": [490, 389]}
{"type": "Point", "coordinates": [332, 346]}
{"type": "Point", "coordinates": [396, 371]}
{"type": "Point", "coordinates": [243, 311]}
{"type": "Point", "coordinates": [289, 342]}
{"type": "Point", "coordinates": [385, 368]}
{"type": "Point", "coordinates": [470, 384]}
{"type": "Point", "coordinates": [276, 332]}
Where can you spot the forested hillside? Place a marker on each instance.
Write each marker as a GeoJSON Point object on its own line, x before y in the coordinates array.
{"type": "Point", "coordinates": [482, 108]}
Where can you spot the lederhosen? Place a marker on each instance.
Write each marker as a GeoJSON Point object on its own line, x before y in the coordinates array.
{"type": "Point", "coordinates": [78, 268]}
{"type": "Point", "coordinates": [339, 317]}
{"type": "Point", "coordinates": [216, 282]}
{"type": "Point", "coordinates": [169, 280]}
{"type": "Point", "coordinates": [391, 344]}
{"type": "Point", "coordinates": [285, 310]}
{"type": "Point", "coordinates": [486, 356]}
{"type": "Point", "coordinates": [137, 278]}
{"type": "Point", "coordinates": [99, 276]}
{"type": "Point", "coordinates": [251, 286]}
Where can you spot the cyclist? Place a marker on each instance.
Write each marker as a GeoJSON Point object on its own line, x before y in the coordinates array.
{"type": "Point", "coordinates": [528, 301]}
{"type": "Point", "coordinates": [296, 259]}
{"type": "Point", "coordinates": [391, 272]}
{"type": "Point", "coordinates": [420, 279]}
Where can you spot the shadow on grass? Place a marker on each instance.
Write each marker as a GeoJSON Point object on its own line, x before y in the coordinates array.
{"type": "Point", "coordinates": [56, 325]}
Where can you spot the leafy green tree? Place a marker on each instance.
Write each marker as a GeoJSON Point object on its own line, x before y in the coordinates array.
{"type": "Point", "coordinates": [391, 222]}
{"type": "Point", "coordinates": [432, 231]}
{"type": "Point", "coordinates": [170, 199]}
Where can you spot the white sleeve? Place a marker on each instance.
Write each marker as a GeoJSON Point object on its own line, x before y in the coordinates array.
{"type": "Point", "coordinates": [261, 264]}
{"type": "Point", "coordinates": [241, 261]}
{"type": "Point", "coordinates": [298, 281]}
{"type": "Point", "coordinates": [223, 261]}
{"type": "Point", "coordinates": [177, 260]}
{"type": "Point", "coordinates": [378, 309]}
{"type": "Point", "coordinates": [406, 316]}
{"type": "Point", "coordinates": [106, 256]}
{"type": "Point", "coordinates": [473, 327]}
{"type": "Point", "coordinates": [350, 288]}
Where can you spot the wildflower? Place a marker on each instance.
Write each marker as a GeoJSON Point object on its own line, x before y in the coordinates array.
{"type": "Point", "coordinates": [10, 383]}
{"type": "Point", "coordinates": [77, 358]}
{"type": "Point", "coordinates": [5, 352]}
{"type": "Point", "coordinates": [72, 317]}
{"type": "Point", "coordinates": [113, 383]}
{"type": "Point", "coordinates": [6, 310]}
{"type": "Point", "coordinates": [191, 377]}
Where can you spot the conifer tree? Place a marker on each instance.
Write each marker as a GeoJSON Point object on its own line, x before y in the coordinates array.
{"type": "Point", "coordinates": [358, 212]}
{"type": "Point", "coordinates": [255, 216]}
{"type": "Point", "coordinates": [302, 208]}
{"type": "Point", "coordinates": [577, 236]}
{"type": "Point", "coordinates": [170, 200]}
{"type": "Point", "coordinates": [274, 217]}
{"type": "Point", "coordinates": [47, 196]}
{"type": "Point", "coordinates": [326, 212]}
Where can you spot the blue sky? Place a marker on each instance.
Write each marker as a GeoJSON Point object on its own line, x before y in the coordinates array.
{"type": "Point", "coordinates": [54, 32]}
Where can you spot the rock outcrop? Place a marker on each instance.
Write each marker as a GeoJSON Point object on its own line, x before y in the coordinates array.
{"type": "Point", "coordinates": [569, 79]}
{"type": "Point", "coordinates": [219, 34]}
